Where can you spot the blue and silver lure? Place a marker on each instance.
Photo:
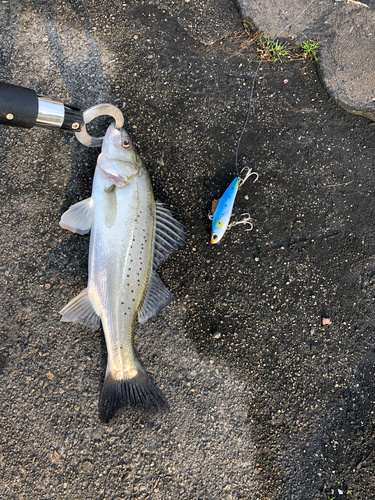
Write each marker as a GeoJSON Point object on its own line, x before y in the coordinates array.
{"type": "Point", "coordinates": [223, 212]}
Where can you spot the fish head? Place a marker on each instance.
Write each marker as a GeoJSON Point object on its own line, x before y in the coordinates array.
{"type": "Point", "coordinates": [118, 144]}
{"type": "Point", "coordinates": [218, 230]}
{"type": "Point", "coordinates": [119, 159]}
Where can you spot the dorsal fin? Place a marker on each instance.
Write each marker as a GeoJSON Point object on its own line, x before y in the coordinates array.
{"type": "Point", "coordinates": [169, 235]}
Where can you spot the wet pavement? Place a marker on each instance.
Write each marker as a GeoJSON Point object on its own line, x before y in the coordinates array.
{"type": "Point", "coordinates": [267, 355]}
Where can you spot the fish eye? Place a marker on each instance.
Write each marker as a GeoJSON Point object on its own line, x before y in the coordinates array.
{"type": "Point", "coordinates": [127, 144]}
{"type": "Point", "coordinates": [214, 236]}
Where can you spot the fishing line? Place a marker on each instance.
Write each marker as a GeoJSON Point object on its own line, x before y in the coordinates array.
{"type": "Point", "coordinates": [253, 83]}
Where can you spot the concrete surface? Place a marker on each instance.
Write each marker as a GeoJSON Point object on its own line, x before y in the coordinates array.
{"type": "Point", "coordinates": [267, 356]}
{"type": "Point", "coordinates": [346, 31]}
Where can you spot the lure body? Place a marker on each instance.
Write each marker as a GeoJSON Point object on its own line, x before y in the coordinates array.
{"type": "Point", "coordinates": [223, 211]}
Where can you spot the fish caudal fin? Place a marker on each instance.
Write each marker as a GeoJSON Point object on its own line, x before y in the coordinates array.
{"type": "Point", "coordinates": [136, 391]}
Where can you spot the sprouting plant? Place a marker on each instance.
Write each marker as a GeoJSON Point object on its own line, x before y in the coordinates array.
{"type": "Point", "coordinates": [310, 49]}
{"type": "Point", "coordinates": [274, 49]}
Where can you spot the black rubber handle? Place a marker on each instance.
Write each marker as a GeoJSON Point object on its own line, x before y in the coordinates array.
{"type": "Point", "coordinates": [18, 106]}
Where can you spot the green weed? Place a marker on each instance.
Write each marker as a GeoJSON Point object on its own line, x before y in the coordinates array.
{"type": "Point", "coordinates": [275, 50]}
{"type": "Point", "coordinates": [310, 49]}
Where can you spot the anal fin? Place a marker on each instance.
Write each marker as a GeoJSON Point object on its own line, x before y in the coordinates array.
{"type": "Point", "coordinates": [80, 310]}
{"type": "Point", "coordinates": [157, 297]}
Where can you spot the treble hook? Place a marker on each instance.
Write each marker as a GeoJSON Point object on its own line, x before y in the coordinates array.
{"type": "Point", "coordinates": [241, 182]}
{"type": "Point", "coordinates": [245, 220]}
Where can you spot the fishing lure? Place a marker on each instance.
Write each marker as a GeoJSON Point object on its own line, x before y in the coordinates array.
{"type": "Point", "coordinates": [223, 212]}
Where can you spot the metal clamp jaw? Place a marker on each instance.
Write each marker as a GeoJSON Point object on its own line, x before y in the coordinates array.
{"type": "Point", "coordinates": [92, 113]}
{"type": "Point", "coordinates": [55, 114]}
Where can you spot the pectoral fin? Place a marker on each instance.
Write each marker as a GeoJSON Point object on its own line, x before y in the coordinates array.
{"type": "Point", "coordinates": [109, 206]}
{"type": "Point", "coordinates": [80, 310]}
{"type": "Point", "coordinates": [157, 297]}
{"type": "Point", "coordinates": [78, 218]}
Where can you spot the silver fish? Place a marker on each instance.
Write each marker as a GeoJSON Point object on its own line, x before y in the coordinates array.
{"type": "Point", "coordinates": [131, 236]}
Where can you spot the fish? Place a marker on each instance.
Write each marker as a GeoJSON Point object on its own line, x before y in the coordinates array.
{"type": "Point", "coordinates": [131, 235]}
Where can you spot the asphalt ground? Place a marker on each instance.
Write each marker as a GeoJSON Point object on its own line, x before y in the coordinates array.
{"type": "Point", "coordinates": [267, 355]}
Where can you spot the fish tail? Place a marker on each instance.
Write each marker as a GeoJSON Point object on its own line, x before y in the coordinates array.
{"type": "Point", "coordinates": [138, 390]}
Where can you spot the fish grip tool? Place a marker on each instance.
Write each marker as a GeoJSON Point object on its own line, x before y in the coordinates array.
{"type": "Point", "coordinates": [23, 107]}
